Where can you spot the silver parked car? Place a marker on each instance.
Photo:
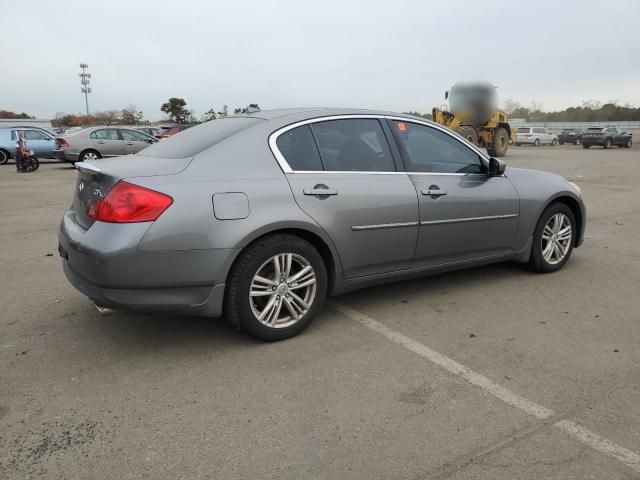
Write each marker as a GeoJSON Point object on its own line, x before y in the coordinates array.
{"type": "Point", "coordinates": [261, 216]}
{"type": "Point", "coordinates": [97, 142]}
{"type": "Point", "coordinates": [535, 136]}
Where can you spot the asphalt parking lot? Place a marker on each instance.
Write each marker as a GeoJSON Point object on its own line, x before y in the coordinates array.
{"type": "Point", "coordinates": [546, 383]}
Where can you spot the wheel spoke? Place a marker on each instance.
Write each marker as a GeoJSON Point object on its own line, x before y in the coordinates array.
{"type": "Point", "coordinates": [291, 309]}
{"type": "Point", "coordinates": [276, 267]}
{"type": "Point", "coordinates": [268, 307]}
{"type": "Point", "coordinates": [276, 312]}
{"type": "Point", "coordinates": [298, 302]}
{"type": "Point", "coordinates": [287, 266]}
{"type": "Point", "coordinates": [548, 251]}
{"type": "Point", "coordinates": [303, 284]}
{"type": "Point", "coordinates": [264, 280]}
{"type": "Point", "coordinates": [298, 275]}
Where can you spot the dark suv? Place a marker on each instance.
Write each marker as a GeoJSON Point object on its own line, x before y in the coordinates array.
{"type": "Point", "coordinates": [606, 137]}
{"type": "Point", "coordinates": [570, 135]}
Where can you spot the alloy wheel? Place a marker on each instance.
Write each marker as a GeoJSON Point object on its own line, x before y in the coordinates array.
{"type": "Point", "coordinates": [282, 290]}
{"type": "Point", "coordinates": [89, 156]}
{"type": "Point", "coordinates": [556, 238]}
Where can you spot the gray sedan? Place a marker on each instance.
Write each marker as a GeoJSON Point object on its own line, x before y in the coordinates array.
{"type": "Point", "coordinates": [260, 217]}
{"type": "Point", "coordinates": [96, 142]}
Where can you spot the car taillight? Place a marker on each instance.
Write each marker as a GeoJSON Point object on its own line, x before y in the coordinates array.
{"type": "Point", "coordinates": [129, 203]}
{"type": "Point", "coordinates": [61, 143]}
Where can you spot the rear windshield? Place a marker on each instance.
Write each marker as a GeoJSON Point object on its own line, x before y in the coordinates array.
{"type": "Point", "coordinates": [524, 130]}
{"type": "Point", "coordinates": [196, 139]}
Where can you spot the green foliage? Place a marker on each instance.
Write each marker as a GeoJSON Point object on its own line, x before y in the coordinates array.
{"type": "Point", "coordinates": [176, 109]}
{"type": "Point", "coordinates": [589, 111]}
{"type": "Point", "coordinates": [14, 115]}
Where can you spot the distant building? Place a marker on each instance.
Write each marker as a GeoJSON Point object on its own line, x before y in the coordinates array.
{"type": "Point", "coordinates": [25, 122]}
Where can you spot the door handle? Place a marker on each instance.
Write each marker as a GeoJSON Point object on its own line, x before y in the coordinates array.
{"type": "Point", "coordinates": [434, 192]}
{"type": "Point", "coordinates": [100, 141]}
{"type": "Point", "coordinates": [129, 143]}
{"type": "Point", "coordinates": [320, 191]}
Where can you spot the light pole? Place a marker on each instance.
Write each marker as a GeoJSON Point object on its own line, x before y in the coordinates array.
{"type": "Point", "coordinates": [86, 89]}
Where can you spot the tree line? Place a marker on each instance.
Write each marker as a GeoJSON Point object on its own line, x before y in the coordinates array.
{"type": "Point", "coordinates": [589, 111]}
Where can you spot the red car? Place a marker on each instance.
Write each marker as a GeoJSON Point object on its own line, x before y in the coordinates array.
{"type": "Point", "coordinates": [168, 130]}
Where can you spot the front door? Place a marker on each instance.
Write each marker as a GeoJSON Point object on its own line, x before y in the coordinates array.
{"type": "Point", "coordinates": [41, 143]}
{"type": "Point", "coordinates": [345, 178]}
{"type": "Point", "coordinates": [134, 141]}
{"type": "Point", "coordinates": [464, 213]}
{"type": "Point", "coordinates": [107, 142]}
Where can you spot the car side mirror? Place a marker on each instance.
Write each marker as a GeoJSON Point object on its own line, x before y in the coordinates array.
{"type": "Point", "coordinates": [150, 140]}
{"type": "Point", "coordinates": [496, 167]}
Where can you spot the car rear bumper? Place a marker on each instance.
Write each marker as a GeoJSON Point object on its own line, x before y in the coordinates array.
{"type": "Point", "coordinates": [105, 264]}
{"type": "Point", "coordinates": [65, 156]}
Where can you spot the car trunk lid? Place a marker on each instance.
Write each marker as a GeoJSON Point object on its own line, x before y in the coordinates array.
{"type": "Point", "coordinates": [97, 178]}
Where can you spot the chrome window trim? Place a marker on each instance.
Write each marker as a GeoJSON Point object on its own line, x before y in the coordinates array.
{"type": "Point", "coordinates": [359, 228]}
{"type": "Point", "coordinates": [468, 219]}
{"type": "Point", "coordinates": [286, 168]}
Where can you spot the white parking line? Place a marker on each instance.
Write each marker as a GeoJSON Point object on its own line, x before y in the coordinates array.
{"type": "Point", "coordinates": [575, 431]}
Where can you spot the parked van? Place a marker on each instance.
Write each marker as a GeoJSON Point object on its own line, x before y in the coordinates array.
{"type": "Point", "coordinates": [535, 136]}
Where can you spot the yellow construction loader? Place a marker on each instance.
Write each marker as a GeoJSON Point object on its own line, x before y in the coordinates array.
{"type": "Point", "coordinates": [473, 113]}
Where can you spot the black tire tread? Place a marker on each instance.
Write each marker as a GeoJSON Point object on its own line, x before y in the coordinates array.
{"type": "Point", "coordinates": [233, 292]}
{"type": "Point", "coordinates": [493, 148]}
{"type": "Point", "coordinates": [537, 262]}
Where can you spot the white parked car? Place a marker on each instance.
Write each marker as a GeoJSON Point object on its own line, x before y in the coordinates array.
{"type": "Point", "coordinates": [535, 136]}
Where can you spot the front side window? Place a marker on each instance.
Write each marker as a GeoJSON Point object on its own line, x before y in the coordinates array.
{"type": "Point", "coordinates": [105, 134]}
{"type": "Point", "coordinates": [34, 135]}
{"type": "Point", "coordinates": [353, 145]}
{"type": "Point", "coordinates": [426, 149]}
{"type": "Point", "coordinates": [299, 149]}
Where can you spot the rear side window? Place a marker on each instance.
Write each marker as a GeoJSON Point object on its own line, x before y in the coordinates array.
{"type": "Point", "coordinates": [353, 145]}
{"type": "Point", "coordinates": [538, 130]}
{"type": "Point", "coordinates": [105, 134]}
{"type": "Point", "coordinates": [299, 149]}
{"type": "Point", "coordinates": [523, 130]}
{"type": "Point", "coordinates": [196, 139]}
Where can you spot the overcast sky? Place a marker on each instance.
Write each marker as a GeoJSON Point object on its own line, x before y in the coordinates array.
{"type": "Point", "coordinates": [394, 54]}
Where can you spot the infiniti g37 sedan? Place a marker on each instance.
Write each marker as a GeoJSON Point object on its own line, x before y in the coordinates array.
{"type": "Point", "coordinates": [260, 217]}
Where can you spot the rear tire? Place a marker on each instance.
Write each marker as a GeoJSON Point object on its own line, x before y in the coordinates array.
{"type": "Point", "coordinates": [544, 257]}
{"type": "Point", "coordinates": [554, 142]}
{"type": "Point", "coordinates": [88, 155]}
{"type": "Point", "coordinates": [254, 277]}
{"type": "Point", "coordinates": [536, 142]}
{"type": "Point", "coordinates": [628, 144]}
{"type": "Point", "coordinates": [499, 143]}
{"type": "Point", "coordinates": [561, 142]}
{"type": "Point", "coordinates": [468, 133]}
{"type": "Point", "coordinates": [585, 146]}
{"type": "Point", "coordinates": [608, 144]}
{"type": "Point", "coordinates": [4, 156]}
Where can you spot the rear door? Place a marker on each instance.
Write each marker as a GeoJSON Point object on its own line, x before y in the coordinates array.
{"type": "Point", "coordinates": [344, 176]}
{"type": "Point", "coordinates": [108, 142]}
{"type": "Point", "coordinates": [134, 141]}
{"type": "Point", "coordinates": [464, 213]}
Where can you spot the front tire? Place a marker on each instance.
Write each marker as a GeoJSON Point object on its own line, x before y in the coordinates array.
{"type": "Point", "coordinates": [276, 287]}
{"type": "Point", "coordinates": [553, 238]}
{"type": "Point", "coordinates": [499, 143]}
{"type": "Point", "coordinates": [554, 142]}
{"type": "Point", "coordinates": [561, 142]}
{"type": "Point", "coordinates": [585, 146]}
{"type": "Point", "coordinates": [577, 142]}
{"type": "Point", "coordinates": [536, 142]}
{"type": "Point", "coordinates": [608, 143]}
{"type": "Point", "coordinates": [628, 144]}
